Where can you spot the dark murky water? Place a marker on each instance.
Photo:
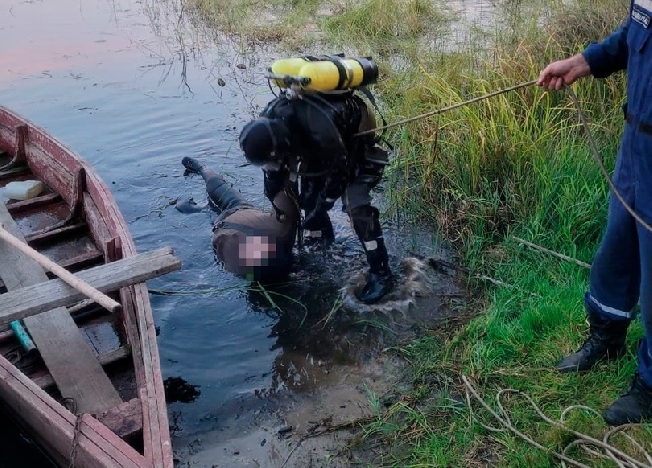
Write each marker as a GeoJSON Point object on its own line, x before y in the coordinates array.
{"type": "Point", "coordinates": [133, 88]}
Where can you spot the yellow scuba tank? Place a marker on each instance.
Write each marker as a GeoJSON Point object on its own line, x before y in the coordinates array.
{"type": "Point", "coordinates": [327, 73]}
{"type": "Point", "coordinates": [286, 68]}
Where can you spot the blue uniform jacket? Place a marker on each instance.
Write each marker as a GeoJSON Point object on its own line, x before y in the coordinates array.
{"type": "Point", "coordinates": [628, 48]}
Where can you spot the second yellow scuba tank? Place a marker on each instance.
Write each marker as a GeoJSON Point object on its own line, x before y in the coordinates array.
{"type": "Point", "coordinates": [326, 73]}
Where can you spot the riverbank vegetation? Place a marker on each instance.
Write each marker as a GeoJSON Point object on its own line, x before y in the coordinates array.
{"type": "Point", "coordinates": [516, 166]}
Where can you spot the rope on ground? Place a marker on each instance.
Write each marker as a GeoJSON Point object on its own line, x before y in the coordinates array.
{"type": "Point", "coordinates": [589, 444]}
{"type": "Point", "coordinates": [551, 252]}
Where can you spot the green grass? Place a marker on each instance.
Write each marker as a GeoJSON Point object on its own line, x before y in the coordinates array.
{"type": "Point", "coordinates": [517, 165]}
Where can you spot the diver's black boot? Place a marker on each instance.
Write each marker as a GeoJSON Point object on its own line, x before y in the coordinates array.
{"type": "Point", "coordinates": [366, 224]}
{"type": "Point", "coordinates": [633, 406]}
{"type": "Point", "coordinates": [376, 288]}
{"type": "Point", "coordinates": [380, 279]}
{"type": "Point", "coordinates": [606, 341]}
{"type": "Point", "coordinates": [192, 165]}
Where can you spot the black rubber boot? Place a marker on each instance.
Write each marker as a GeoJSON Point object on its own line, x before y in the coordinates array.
{"type": "Point", "coordinates": [380, 280]}
{"type": "Point", "coordinates": [633, 406]}
{"type": "Point", "coordinates": [192, 165]}
{"type": "Point", "coordinates": [606, 341]}
{"type": "Point", "coordinates": [220, 193]}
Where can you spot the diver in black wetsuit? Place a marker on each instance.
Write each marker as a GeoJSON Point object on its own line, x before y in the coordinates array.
{"type": "Point", "coordinates": [251, 243]}
{"type": "Point", "coordinates": [313, 136]}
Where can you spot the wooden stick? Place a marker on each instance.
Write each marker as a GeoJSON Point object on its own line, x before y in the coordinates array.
{"type": "Point", "coordinates": [81, 286]}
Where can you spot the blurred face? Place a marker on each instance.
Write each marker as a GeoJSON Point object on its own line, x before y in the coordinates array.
{"type": "Point", "coordinates": [257, 251]}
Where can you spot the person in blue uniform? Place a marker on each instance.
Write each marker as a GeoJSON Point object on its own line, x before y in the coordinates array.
{"type": "Point", "coordinates": [621, 272]}
{"type": "Point", "coordinates": [313, 137]}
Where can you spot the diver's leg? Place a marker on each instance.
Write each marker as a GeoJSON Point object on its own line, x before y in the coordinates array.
{"type": "Point", "coordinates": [322, 228]}
{"type": "Point", "coordinates": [220, 192]}
{"type": "Point", "coordinates": [366, 224]}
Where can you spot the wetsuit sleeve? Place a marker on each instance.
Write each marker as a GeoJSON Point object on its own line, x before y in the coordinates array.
{"type": "Point", "coordinates": [274, 182]}
{"type": "Point", "coordinates": [610, 55]}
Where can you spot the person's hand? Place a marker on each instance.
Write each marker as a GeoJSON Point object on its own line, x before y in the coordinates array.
{"type": "Point", "coordinates": [564, 72]}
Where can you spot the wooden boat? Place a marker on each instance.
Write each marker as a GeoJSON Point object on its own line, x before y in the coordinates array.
{"type": "Point", "coordinates": [91, 393]}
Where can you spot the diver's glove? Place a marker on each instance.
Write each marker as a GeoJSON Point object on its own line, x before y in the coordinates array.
{"type": "Point", "coordinates": [314, 219]}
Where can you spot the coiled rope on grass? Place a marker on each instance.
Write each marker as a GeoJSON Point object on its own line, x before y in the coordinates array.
{"type": "Point", "coordinates": [587, 443]}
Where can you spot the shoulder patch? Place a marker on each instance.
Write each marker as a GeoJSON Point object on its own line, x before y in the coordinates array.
{"type": "Point", "coordinates": [640, 12]}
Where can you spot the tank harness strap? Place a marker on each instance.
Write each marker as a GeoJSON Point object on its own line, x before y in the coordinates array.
{"type": "Point", "coordinates": [342, 81]}
{"type": "Point", "coordinates": [364, 90]}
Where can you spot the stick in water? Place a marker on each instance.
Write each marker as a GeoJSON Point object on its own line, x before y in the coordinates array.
{"type": "Point", "coordinates": [80, 285]}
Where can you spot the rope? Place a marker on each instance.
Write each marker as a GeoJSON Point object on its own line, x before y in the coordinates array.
{"type": "Point", "coordinates": [598, 159]}
{"type": "Point", "coordinates": [445, 109]}
{"type": "Point", "coordinates": [72, 407]}
{"type": "Point", "coordinates": [584, 441]}
{"type": "Point", "coordinates": [582, 117]}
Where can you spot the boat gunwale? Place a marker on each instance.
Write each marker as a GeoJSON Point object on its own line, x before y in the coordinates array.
{"type": "Point", "coordinates": [56, 165]}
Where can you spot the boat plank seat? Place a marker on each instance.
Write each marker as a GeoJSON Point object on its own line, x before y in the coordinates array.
{"type": "Point", "coordinates": [37, 298]}
{"type": "Point", "coordinates": [64, 350]}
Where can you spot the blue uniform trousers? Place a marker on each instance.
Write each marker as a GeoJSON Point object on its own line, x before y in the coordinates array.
{"type": "Point", "coordinates": [621, 273]}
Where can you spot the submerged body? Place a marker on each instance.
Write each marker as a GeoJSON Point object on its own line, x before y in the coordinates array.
{"type": "Point", "coordinates": [250, 242]}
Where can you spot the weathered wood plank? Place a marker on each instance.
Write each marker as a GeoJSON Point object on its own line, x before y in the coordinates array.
{"type": "Point", "coordinates": [37, 298]}
{"type": "Point", "coordinates": [35, 202]}
{"type": "Point", "coordinates": [125, 420]}
{"type": "Point", "coordinates": [50, 235]}
{"type": "Point", "coordinates": [82, 260]}
{"type": "Point", "coordinates": [67, 355]}
{"type": "Point", "coordinates": [70, 279]}
{"type": "Point", "coordinates": [46, 380]}
{"type": "Point", "coordinates": [14, 171]}
{"type": "Point", "coordinates": [152, 395]}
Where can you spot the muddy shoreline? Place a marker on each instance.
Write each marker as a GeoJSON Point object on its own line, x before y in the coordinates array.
{"type": "Point", "coordinates": [311, 415]}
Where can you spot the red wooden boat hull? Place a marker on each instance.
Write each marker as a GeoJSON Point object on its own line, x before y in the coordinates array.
{"type": "Point", "coordinates": [52, 425]}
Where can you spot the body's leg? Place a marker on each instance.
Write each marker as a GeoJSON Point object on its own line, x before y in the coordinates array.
{"type": "Point", "coordinates": [223, 196]}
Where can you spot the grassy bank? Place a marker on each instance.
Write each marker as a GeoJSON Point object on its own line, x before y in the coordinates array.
{"type": "Point", "coordinates": [515, 166]}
